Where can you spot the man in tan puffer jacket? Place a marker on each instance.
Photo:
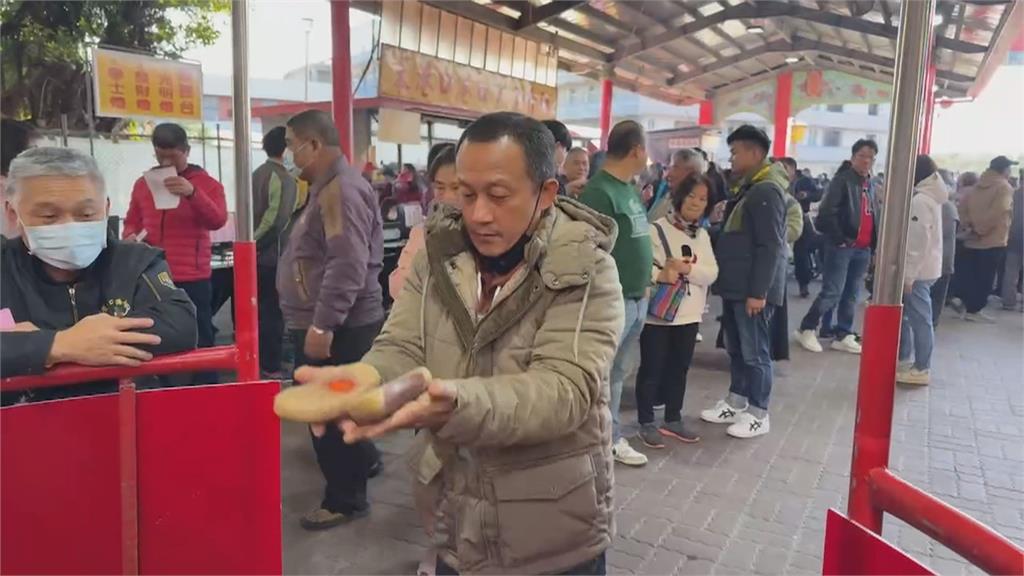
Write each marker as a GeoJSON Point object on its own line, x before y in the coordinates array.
{"type": "Point", "coordinates": [985, 214]}
{"type": "Point", "coordinates": [516, 309]}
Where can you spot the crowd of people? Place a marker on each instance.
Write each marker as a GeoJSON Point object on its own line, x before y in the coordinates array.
{"type": "Point", "coordinates": [542, 280]}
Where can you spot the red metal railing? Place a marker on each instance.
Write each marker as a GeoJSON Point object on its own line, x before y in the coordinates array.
{"type": "Point", "coordinates": [875, 490]}
{"type": "Point", "coordinates": [969, 538]}
{"type": "Point", "coordinates": [203, 359]}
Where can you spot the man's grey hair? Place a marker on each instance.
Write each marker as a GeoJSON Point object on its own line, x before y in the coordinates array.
{"type": "Point", "coordinates": [691, 157]}
{"type": "Point", "coordinates": [51, 161]}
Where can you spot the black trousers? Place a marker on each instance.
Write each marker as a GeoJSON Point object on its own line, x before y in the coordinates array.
{"type": "Point", "coordinates": [345, 466]}
{"type": "Point", "coordinates": [201, 294]}
{"type": "Point", "coordinates": [665, 356]}
{"type": "Point", "coordinates": [803, 254]}
{"type": "Point", "coordinates": [271, 321]}
{"type": "Point", "coordinates": [595, 567]}
{"type": "Point", "coordinates": [939, 290]}
{"type": "Point", "coordinates": [979, 268]}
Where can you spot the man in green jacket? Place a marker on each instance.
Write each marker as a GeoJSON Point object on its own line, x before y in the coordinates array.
{"type": "Point", "coordinates": [515, 307]}
{"type": "Point", "coordinates": [273, 191]}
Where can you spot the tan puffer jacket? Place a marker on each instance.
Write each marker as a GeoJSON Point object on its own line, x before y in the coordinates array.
{"type": "Point", "coordinates": [525, 460]}
{"type": "Point", "coordinates": [986, 211]}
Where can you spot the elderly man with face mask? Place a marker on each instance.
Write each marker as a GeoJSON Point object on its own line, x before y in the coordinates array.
{"type": "Point", "coordinates": [76, 294]}
{"type": "Point", "coordinates": [515, 308]}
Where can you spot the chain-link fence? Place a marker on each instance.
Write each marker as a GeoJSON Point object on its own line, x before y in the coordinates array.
{"type": "Point", "coordinates": [123, 158]}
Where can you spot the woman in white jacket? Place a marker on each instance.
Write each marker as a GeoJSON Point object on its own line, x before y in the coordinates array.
{"type": "Point", "coordinates": [923, 268]}
{"type": "Point", "coordinates": [682, 251]}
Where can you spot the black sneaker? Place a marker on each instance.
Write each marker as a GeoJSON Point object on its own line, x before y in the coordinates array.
{"type": "Point", "coordinates": [679, 432]}
{"type": "Point", "coordinates": [650, 436]}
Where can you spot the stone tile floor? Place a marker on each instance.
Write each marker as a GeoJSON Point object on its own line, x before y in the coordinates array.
{"type": "Point", "coordinates": [726, 506]}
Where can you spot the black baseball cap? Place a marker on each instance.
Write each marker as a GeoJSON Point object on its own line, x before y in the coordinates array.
{"type": "Point", "coordinates": [1001, 163]}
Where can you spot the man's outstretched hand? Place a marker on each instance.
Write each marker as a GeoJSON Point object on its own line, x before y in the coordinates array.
{"type": "Point", "coordinates": [431, 410]}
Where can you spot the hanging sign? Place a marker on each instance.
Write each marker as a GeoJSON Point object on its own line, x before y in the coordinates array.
{"type": "Point", "coordinates": [135, 85]}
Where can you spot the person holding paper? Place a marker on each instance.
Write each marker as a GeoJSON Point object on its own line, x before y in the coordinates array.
{"type": "Point", "coordinates": [72, 293]}
{"type": "Point", "coordinates": [178, 204]}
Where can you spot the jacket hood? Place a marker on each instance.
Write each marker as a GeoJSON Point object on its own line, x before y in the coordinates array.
{"type": "Point", "coordinates": [991, 179]}
{"type": "Point", "coordinates": [773, 173]}
{"type": "Point", "coordinates": [566, 244]}
{"type": "Point", "coordinates": [934, 188]}
{"type": "Point", "coordinates": [776, 174]}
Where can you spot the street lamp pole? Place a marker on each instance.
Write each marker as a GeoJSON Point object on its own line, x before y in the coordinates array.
{"type": "Point", "coordinates": [309, 28]}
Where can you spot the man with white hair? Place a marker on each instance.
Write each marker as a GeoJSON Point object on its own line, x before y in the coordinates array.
{"type": "Point", "coordinates": [75, 293]}
{"type": "Point", "coordinates": [684, 163]}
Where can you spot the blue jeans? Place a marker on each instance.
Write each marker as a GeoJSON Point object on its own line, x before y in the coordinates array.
{"type": "Point", "coordinates": [748, 341]}
{"type": "Point", "coordinates": [841, 279]}
{"type": "Point", "coordinates": [626, 357]}
{"type": "Point", "coordinates": [916, 331]}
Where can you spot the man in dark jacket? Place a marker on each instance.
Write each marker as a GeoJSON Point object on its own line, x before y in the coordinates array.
{"type": "Point", "coordinates": [846, 218]}
{"type": "Point", "coordinates": [751, 254]}
{"type": "Point", "coordinates": [75, 293]}
{"type": "Point", "coordinates": [331, 297]}
{"type": "Point", "coordinates": [806, 192]}
{"type": "Point", "coordinates": [274, 191]}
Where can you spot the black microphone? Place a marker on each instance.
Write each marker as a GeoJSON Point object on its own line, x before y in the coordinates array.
{"type": "Point", "coordinates": [687, 253]}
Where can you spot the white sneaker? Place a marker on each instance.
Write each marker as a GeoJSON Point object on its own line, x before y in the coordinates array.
{"type": "Point", "coordinates": [808, 340]}
{"type": "Point", "coordinates": [625, 454]}
{"type": "Point", "coordinates": [748, 426]}
{"type": "Point", "coordinates": [847, 344]}
{"type": "Point", "coordinates": [979, 317]}
{"type": "Point", "coordinates": [914, 376]}
{"type": "Point", "coordinates": [958, 305]}
{"type": "Point", "coordinates": [722, 413]}
{"type": "Point", "coordinates": [700, 338]}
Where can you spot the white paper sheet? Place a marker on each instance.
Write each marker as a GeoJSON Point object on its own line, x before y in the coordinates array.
{"type": "Point", "coordinates": [163, 198]}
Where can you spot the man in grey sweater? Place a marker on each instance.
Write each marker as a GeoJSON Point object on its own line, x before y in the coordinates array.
{"type": "Point", "coordinates": [330, 294]}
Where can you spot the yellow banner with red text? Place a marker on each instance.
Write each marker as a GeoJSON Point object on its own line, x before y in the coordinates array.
{"type": "Point", "coordinates": [136, 85]}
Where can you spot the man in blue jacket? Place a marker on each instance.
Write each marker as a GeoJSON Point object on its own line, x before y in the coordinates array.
{"type": "Point", "coordinates": [751, 254]}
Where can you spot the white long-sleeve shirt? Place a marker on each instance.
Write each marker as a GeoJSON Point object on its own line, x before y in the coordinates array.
{"type": "Point", "coordinates": [702, 275]}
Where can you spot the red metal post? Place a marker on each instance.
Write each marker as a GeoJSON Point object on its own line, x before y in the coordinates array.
{"type": "Point", "coordinates": [783, 108]}
{"type": "Point", "coordinates": [246, 315]}
{"type": "Point", "coordinates": [129, 472]}
{"type": "Point", "coordinates": [707, 113]}
{"type": "Point", "coordinates": [606, 111]}
{"type": "Point", "coordinates": [873, 427]}
{"type": "Point", "coordinates": [928, 114]}
{"type": "Point", "coordinates": [969, 538]}
{"type": "Point", "coordinates": [341, 68]}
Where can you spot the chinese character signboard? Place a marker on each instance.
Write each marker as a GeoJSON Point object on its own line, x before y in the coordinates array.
{"type": "Point", "coordinates": [423, 79]}
{"type": "Point", "coordinates": [811, 87]}
{"type": "Point", "coordinates": [127, 84]}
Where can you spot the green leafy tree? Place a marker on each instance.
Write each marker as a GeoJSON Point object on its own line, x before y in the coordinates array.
{"type": "Point", "coordinates": [44, 50]}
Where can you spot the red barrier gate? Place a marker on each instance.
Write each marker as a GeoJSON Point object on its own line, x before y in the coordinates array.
{"type": "Point", "coordinates": [180, 480]}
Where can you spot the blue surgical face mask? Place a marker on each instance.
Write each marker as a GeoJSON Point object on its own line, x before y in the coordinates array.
{"type": "Point", "coordinates": [68, 246]}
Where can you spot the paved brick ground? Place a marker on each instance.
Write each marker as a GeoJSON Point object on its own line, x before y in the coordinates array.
{"type": "Point", "coordinates": [726, 506]}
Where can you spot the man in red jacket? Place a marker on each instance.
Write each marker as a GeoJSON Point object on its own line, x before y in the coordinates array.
{"type": "Point", "coordinates": [183, 231]}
